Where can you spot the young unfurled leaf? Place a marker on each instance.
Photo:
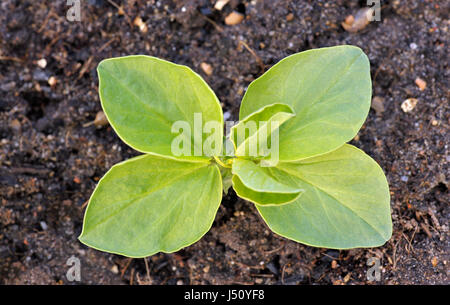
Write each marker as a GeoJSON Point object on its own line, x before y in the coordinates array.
{"type": "Point", "coordinates": [262, 198]}
{"type": "Point", "coordinates": [252, 134]}
{"type": "Point", "coordinates": [262, 179]}
{"type": "Point", "coordinates": [263, 185]}
{"type": "Point", "coordinates": [330, 91]}
{"type": "Point", "coordinates": [226, 178]}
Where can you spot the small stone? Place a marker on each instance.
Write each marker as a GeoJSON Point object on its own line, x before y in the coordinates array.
{"type": "Point", "coordinates": [115, 269]}
{"type": "Point", "coordinates": [52, 81]}
{"type": "Point", "coordinates": [43, 225]}
{"type": "Point", "coordinates": [409, 104]}
{"type": "Point", "coordinates": [413, 46]}
{"type": "Point", "coordinates": [434, 261]}
{"type": "Point", "coordinates": [140, 24]}
{"type": "Point", "coordinates": [404, 178]}
{"type": "Point", "coordinates": [421, 83]}
{"type": "Point", "coordinates": [349, 19]}
{"type": "Point", "coordinates": [290, 17]}
{"type": "Point", "coordinates": [434, 122]}
{"type": "Point", "coordinates": [220, 4]}
{"type": "Point", "coordinates": [258, 281]}
{"type": "Point", "coordinates": [234, 18]}
{"type": "Point", "coordinates": [378, 104]}
{"type": "Point", "coordinates": [180, 282]}
{"type": "Point", "coordinates": [42, 63]}
{"type": "Point", "coordinates": [333, 264]}
{"type": "Point", "coordinates": [207, 68]}
{"type": "Point", "coordinates": [358, 22]}
{"type": "Point", "coordinates": [100, 119]}
{"type": "Point", "coordinates": [206, 269]}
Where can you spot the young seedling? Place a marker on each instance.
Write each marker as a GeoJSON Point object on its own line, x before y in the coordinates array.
{"type": "Point", "coordinates": [288, 155]}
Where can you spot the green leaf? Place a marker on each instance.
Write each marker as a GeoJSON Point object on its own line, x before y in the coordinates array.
{"type": "Point", "coordinates": [255, 130]}
{"type": "Point", "coordinates": [144, 96]}
{"type": "Point", "coordinates": [262, 179]}
{"type": "Point", "coordinates": [262, 198]}
{"type": "Point", "coordinates": [150, 204]}
{"type": "Point", "coordinates": [345, 203]}
{"type": "Point", "coordinates": [330, 92]}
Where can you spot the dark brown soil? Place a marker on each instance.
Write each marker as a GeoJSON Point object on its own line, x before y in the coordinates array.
{"type": "Point", "coordinates": [50, 160]}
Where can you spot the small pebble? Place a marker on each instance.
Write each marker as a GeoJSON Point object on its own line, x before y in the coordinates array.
{"type": "Point", "coordinates": [100, 119]}
{"type": "Point", "coordinates": [226, 116]}
{"type": "Point", "coordinates": [52, 81]}
{"type": "Point", "coordinates": [421, 83]}
{"type": "Point", "coordinates": [258, 281]}
{"type": "Point", "coordinates": [290, 17]}
{"type": "Point", "coordinates": [43, 225]}
{"type": "Point", "coordinates": [220, 4]}
{"type": "Point", "coordinates": [378, 104]}
{"type": "Point", "coordinates": [207, 68]}
{"type": "Point", "coordinates": [409, 104]}
{"type": "Point", "coordinates": [42, 63]}
{"type": "Point", "coordinates": [234, 18]}
{"type": "Point", "coordinates": [404, 178]}
{"type": "Point", "coordinates": [434, 261]}
{"type": "Point", "coordinates": [358, 22]}
{"type": "Point", "coordinates": [115, 269]}
{"type": "Point", "coordinates": [140, 24]}
{"type": "Point", "coordinates": [413, 46]}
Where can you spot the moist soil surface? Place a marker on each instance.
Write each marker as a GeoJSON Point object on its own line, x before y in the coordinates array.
{"type": "Point", "coordinates": [52, 156]}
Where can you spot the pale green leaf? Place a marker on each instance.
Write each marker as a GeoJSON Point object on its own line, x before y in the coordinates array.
{"type": "Point", "coordinates": [330, 91]}
{"type": "Point", "coordinates": [150, 204]}
{"type": "Point", "coordinates": [144, 96]}
{"type": "Point", "coordinates": [254, 131]}
{"type": "Point", "coordinates": [345, 203]}
{"type": "Point", "coordinates": [262, 198]}
{"type": "Point", "coordinates": [262, 179]}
